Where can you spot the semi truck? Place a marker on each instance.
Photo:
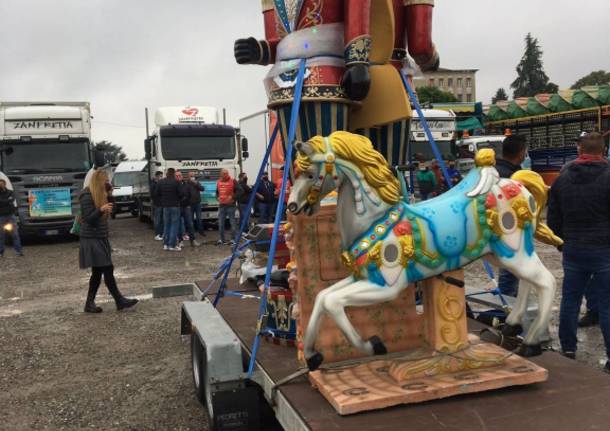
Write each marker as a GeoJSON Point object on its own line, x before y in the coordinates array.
{"type": "Point", "coordinates": [191, 138]}
{"type": "Point", "coordinates": [46, 151]}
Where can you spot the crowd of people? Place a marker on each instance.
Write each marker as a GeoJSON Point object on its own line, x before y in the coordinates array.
{"type": "Point", "coordinates": [178, 206]}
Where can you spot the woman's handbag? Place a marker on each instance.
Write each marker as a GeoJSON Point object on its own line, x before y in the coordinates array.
{"type": "Point", "coordinates": [75, 229]}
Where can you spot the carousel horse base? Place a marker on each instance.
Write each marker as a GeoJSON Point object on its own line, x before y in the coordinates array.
{"type": "Point", "coordinates": [421, 375]}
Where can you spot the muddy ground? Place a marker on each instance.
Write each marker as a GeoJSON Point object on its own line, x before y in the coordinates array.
{"type": "Point", "coordinates": [63, 369]}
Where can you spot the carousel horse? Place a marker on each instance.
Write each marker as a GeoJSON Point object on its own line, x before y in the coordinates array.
{"type": "Point", "coordinates": [388, 243]}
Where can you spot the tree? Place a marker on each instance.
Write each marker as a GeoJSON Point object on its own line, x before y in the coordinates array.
{"type": "Point", "coordinates": [531, 79]}
{"type": "Point", "coordinates": [599, 77]}
{"type": "Point", "coordinates": [430, 94]}
{"type": "Point", "coordinates": [500, 95]}
{"type": "Point", "coordinates": [114, 153]}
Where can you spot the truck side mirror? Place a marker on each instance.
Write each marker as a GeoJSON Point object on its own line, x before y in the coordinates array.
{"type": "Point", "coordinates": [148, 148]}
{"type": "Point", "coordinates": [245, 154]}
{"type": "Point", "coordinates": [244, 144]}
{"type": "Point", "coordinates": [99, 158]}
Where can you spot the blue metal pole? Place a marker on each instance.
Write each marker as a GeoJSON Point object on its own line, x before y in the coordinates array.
{"type": "Point", "coordinates": [424, 123]}
{"type": "Point", "coordinates": [244, 222]}
{"type": "Point", "coordinates": [294, 115]}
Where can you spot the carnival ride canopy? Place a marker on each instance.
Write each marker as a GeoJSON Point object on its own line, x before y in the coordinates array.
{"type": "Point", "coordinates": [565, 100]}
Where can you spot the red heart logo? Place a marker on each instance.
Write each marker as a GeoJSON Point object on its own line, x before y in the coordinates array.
{"type": "Point", "coordinates": [191, 112]}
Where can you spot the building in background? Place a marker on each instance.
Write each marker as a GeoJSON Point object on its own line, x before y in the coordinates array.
{"type": "Point", "coordinates": [460, 82]}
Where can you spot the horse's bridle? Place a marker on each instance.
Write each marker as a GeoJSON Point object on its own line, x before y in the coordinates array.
{"type": "Point", "coordinates": [326, 168]}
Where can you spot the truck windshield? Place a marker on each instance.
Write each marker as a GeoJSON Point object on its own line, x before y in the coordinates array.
{"type": "Point", "coordinates": [198, 147]}
{"type": "Point", "coordinates": [124, 179]}
{"type": "Point", "coordinates": [45, 156]}
{"type": "Point", "coordinates": [422, 150]}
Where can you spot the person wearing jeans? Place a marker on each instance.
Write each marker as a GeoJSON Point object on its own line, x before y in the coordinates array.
{"type": "Point", "coordinates": [226, 188]}
{"type": "Point", "coordinates": [579, 265]}
{"type": "Point", "coordinates": [266, 198]}
{"type": "Point", "coordinates": [8, 222]}
{"type": "Point", "coordinates": [169, 193]}
{"type": "Point", "coordinates": [579, 213]}
{"type": "Point", "coordinates": [171, 220]}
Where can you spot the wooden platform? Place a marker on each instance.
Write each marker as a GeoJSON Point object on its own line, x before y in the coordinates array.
{"type": "Point", "coordinates": [379, 384]}
{"type": "Point", "coordinates": [574, 397]}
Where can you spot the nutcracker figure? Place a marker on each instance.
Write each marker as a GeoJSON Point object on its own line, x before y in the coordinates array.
{"type": "Point", "coordinates": [385, 113]}
{"type": "Point", "coordinates": [333, 37]}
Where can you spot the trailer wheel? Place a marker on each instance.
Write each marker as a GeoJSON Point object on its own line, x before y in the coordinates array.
{"type": "Point", "coordinates": [198, 363]}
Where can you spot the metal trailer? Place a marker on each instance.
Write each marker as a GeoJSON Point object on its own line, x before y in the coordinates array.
{"type": "Point", "coordinates": [221, 344]}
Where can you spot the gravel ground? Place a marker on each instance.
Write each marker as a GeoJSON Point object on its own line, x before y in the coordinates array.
{"type": "Point", "coordinates": [63, 369]}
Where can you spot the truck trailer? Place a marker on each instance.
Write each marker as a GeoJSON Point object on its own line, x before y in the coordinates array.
{"type": "Point", "coordinates": [46, 151]}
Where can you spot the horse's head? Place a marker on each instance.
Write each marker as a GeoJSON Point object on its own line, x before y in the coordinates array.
{"type": "Point", "coordinates": [317, 176]}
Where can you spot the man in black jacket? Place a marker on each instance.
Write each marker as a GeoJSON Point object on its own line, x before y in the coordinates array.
{"type": "Point", "coordinates": [186, 229]}
{"type": "Point", "coordinates": [169, 193]}
{"type": "Point", "coordinates": [242, 195]}
{"type": "Point", "coordinates": [8, 222]}
{"type": "Point", "coordinates": [514, 148]}
{"type": "Point", "coordinates": [579, 212]}
{"type": "Point", "coordinates": [195, 189]}
{"type": "Point", "coordinates": [158, 210]}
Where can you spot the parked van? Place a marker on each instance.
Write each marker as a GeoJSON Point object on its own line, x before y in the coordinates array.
{"type": "Point", "coordinates": [130, 182]}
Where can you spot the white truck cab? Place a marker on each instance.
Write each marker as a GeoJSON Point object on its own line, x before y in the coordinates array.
{"type": "Point", "coordinates": [45, 151]}
{"type": "Point", "coordinates": [130, 182]}
{"type": "Point", "coordinates": [468, 147]}
{"type": "Point", "coordinates": [442, 125]}
{"type": "Point", "coordinates": [190, 138]}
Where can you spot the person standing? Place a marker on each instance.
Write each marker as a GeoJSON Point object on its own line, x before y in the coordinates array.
{"type": "Point", "coordinates": [454, 175]}
{"type": "Point", "coordinates": [225, 193]}
{"type": "Point", "coordinates": [186, 216]}
{"type": "Point", "coordinates": [242, 196]}
{"type": "Point", "coordinates": [438, 176]}
{"type": "Point", "coordinates": [579, 213]}
{"type": "Point", "coordinates": [8, 222]}
{"type": "Point", "coordinates": [278, 189]}
{"type": "Point", "coordinates": [95, 251]}
{"type": "Point", "coordinates": [266, 199]}
{"type": "Point", "coordinates": [169, 192]}
{"type": "Point", "coordinates": [195, 190]}
{"type": "Point", "coordinates": [514, 148]}
{"type": "Point", "coordinates": [158, 210]}
{"type": "Point", "coordinates": [426, 181]}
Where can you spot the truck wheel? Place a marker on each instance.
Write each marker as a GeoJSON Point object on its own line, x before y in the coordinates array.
{"type": "Point", "coordinates": [141, 215]}
{"type": "Point", "coordinates": [199, 364]}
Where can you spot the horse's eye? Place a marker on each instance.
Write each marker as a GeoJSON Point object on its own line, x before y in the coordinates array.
{"type": "Point", "coordinates": [310, 176]}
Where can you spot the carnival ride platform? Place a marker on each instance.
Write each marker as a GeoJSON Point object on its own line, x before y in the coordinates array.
{"type": "Point", "coordinates": [574, 396]}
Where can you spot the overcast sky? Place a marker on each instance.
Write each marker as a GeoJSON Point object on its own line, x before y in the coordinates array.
{"type": "Point", "coordinates": [123, 55]}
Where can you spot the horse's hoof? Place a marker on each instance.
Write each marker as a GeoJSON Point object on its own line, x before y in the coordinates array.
{"type": "Point", "coordinates": [529, 350]}
{"type": "Point", "coordinates": [314, 362]}
{"type": "Point", "coordinates": [378, 346]}
{"type": "Point", "coordinates": [511, 330]}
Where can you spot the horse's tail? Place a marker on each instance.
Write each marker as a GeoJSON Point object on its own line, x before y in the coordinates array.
{"type": "Point", "coordinates": [534, 183]}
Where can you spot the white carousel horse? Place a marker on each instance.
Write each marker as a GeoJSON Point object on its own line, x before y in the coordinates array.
{"type": "Point", "coordinates": [388, 243]}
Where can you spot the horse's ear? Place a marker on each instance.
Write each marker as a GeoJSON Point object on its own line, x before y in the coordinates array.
{"type": "Point", "coordinates": [304, 148]}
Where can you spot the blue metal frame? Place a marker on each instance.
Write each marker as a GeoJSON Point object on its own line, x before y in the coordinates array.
{"type": "Point", "coordinates": [225, 266]}
{"type": "Point", "coordinates": [294, 115]}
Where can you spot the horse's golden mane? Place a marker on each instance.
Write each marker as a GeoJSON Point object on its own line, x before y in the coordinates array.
{"type": "Point", "coordinates": [358, 150]}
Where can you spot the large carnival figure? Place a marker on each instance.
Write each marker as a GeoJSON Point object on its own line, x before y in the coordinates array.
{"type": "Point", "coordinates": [333, 36]}
{"type": "Point", "coordinates": [401, 31]}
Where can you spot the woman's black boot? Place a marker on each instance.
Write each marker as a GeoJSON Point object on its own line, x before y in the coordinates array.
{"type": "Point", "coordinates": [90, 306]}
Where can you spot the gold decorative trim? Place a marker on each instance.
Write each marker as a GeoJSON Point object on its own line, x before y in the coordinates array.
{"type": "Point", "coordinates": [267, 5]}
{"type": "Point", "coordinates": [424, 247]}
{"type": "Point", "coordinates": [522, 210]}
